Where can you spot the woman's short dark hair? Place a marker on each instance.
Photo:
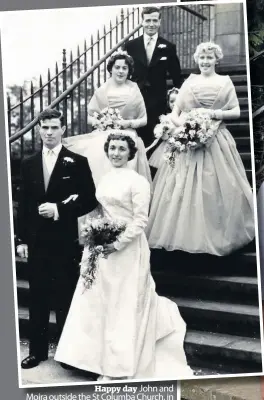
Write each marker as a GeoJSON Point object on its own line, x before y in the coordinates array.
{"type": "Point", "coordinates": [131, 144]}
{"type": "Point", "coordinates": [121, 56]}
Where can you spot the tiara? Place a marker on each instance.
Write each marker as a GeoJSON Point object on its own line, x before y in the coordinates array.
{"type": "Point", "coordinates": [118, 132]}
{"type": "Point", "coordinates": [120, 52]}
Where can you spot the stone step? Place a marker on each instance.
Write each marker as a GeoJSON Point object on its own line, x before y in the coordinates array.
{"type": "Point", "coordinates": [241, 89]}
{"type": "Point", "coordinates": [204, 350]}
{"type": "Point", "coordinates": [243, 143]}
{"type": "Point", "coordinates": [243, 102]}
{"type": "Point", "coordinates": [238, 128]}
{"type": "Point", "coordinates": [246, 158]}
{"type": "Point", "coordinates": [213, 316]}
{"type": "Point", "coordinates": [215, 349]}
{"type": "Point", "coordinates": [244, 115]}
{"type": "Point", "coordinates": [240, 263]}
{"type": "Point", "coordinates": [223, 69]}
{"type": "Point", "coordinates": [232, 289]}
{"type": "Point", "coordinates": [238, 79]}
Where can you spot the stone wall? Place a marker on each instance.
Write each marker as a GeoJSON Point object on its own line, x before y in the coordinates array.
{"type": "Point", "coordinates": [229, 32]}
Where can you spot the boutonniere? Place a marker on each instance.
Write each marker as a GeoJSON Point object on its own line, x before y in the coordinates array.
{"type": "Point", "coordinates": [161, 46]}
{"type": "Point", "coordinates": [68, 160]}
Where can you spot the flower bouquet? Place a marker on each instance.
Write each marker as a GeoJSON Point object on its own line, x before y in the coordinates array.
{"type": "Point", "coordinates": [109, 118]}
{"type": "Point", "coordinates": [163, 130]}
{"type": "Point", "coordinates": [197, 131]}
{"type": "Point", "coordinates": [96, 233]}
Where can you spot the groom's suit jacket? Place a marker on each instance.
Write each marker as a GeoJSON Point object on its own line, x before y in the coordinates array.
{"type": "Point", "coordinates": [71, 175]}
{"type": "Point", "coordinates": [152, 78]}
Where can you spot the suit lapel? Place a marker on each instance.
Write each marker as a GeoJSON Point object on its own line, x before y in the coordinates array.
{"type": "Point", "coordinates": [38, 173]}
{"type": "Point", "coordinates": [56, 170]}
{"type": "Point", "coordinates": [156, 52]}
{"type": "Point", "coordinates": [141, 51]}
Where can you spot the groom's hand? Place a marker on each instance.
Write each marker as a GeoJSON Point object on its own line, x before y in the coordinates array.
{"type": "Point", "coordinates": [22, 250]}
{"type": "Point", "coordinates": [47, 210]}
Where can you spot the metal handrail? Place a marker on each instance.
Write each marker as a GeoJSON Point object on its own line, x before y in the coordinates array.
{"type": "Point", "coordinates": [90, 71]}
{"type": "Point", "coordinates": [72, 62]}
{"type": "Point", "coordinates": [34, 122]}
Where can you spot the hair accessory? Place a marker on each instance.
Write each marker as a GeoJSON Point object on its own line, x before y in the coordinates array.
{"type": "Point", "coordinates": [173, 90]}
{"type": "Point", "coordinates": [120, 52]}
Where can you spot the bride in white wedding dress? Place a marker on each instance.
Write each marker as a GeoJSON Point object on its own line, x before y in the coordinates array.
{"type": "Point", "coordinates": [120, 328]}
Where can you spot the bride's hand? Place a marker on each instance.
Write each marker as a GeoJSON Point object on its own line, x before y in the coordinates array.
{"type": "Point", "coordinates": [108, 249]}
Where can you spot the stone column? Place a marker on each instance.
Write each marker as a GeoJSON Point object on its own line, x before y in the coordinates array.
{"type": "Point", "coordinates": [229, 32]}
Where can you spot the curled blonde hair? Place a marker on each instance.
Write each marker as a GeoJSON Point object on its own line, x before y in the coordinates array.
{"type": "Point", "coordinates": [208, 47]}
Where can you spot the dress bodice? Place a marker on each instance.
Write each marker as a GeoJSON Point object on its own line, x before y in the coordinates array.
{"type": "Point", "coordinates": [216, 92]}
{"type": "Point", "coordinates": [118, 191]}
{"type": "Point", "coordinates": [118, 99]}
{"type": "Point", "coordinates": [206, 93]}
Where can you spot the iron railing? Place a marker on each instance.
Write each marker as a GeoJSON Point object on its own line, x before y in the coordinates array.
{"type": "Point", "coordinates": [71, 88]}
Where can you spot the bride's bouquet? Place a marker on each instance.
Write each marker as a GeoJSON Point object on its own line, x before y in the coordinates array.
{"type": "Point", "coordinates": [96, 233]}
{"type": "Point", "coordinates": [109, 118]}
{"type": "Point", "coordinates": [197, 131]}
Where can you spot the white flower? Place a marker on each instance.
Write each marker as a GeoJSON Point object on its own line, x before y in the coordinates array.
{"type": "Point", "coordinates": [163, 118]}
{"type": "Point", "coordinates": [68, 160]}
{"type": "Point", "coordinates": [162, 45]}
{"type": "Point", "coordinates": [158, 131]}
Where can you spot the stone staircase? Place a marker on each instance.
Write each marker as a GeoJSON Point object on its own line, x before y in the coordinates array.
{"type": "Point", "coordinates": [217, 296]}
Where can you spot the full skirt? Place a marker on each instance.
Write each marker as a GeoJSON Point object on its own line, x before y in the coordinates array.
{"type": "Point", "coordinates": [205, 203]}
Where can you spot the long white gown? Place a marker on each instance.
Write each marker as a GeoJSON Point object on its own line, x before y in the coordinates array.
{"type": "Point", "coordinates": [121, 327]}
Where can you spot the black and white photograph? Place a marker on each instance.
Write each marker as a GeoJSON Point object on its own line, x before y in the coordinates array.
{"type": "Point", "coordinates": [132, 193]}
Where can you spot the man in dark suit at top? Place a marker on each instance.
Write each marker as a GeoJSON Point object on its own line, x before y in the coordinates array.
{"type": "Point", "coordinates": [155, 58]}
{"type": "Point", "coordinates": [56, 188]}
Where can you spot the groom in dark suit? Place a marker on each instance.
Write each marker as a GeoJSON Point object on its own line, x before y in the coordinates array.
{"type": "Point", "coordinates": [56, 188]}
{"type": "Point", "coordinates": [155, 60]}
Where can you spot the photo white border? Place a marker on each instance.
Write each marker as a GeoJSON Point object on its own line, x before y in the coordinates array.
{"type": "Point", "coordinates": [134, 381]}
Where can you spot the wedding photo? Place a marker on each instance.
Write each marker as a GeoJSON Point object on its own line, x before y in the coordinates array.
{"type": "Point", "coordinates": [132, 193]}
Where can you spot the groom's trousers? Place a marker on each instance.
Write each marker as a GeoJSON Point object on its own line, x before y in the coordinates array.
{"type": "Point", "coordinates": [52, 281]}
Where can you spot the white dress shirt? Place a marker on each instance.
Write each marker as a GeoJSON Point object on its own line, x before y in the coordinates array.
{"type": "Point", "coordinates": [149, 47]}
{"type": "Point", "coordinates": [50, 157]}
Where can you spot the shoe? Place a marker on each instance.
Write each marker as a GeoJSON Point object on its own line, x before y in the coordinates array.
{"type": "Point", "coordinates": [32, 361]}
{"type": "Point", "coordinates": [66, 366]}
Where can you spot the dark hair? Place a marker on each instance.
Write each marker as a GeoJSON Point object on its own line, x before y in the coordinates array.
{"type": "Point", "coordinates": [50, 113]}
{"type": "Point", "coordinates": [131, 144]}
{"type": "Point", "coordinates": [150, 10]}
{"type": "Point", "coordinates": [128, 60]}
